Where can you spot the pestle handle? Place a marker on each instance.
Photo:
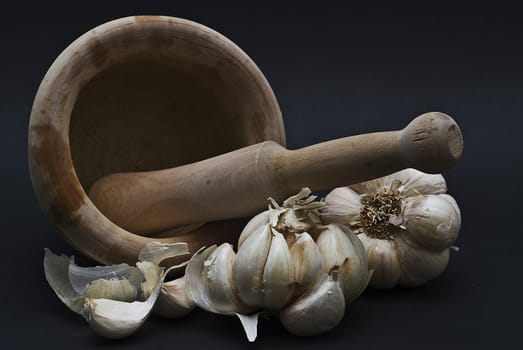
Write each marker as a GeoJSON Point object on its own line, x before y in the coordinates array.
{"type": "Point", "coordinates": [237, 184]}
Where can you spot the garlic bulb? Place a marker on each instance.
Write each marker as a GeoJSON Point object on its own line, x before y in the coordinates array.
{"type": "Point", "coordinates": [115, 300]}
{"type": "Point", "coordinates": [288, 263]}
{"type": "Point", "coordinates": [405, 221]}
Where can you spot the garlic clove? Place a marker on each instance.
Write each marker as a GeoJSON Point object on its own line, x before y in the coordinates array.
{"type": "Point", "coordinates": [249, 266]}
{"type": "Point", "coordinates": [383, 259]}
{"type": "Point", "coordinates": [152, 273]}
{"type": "Point", "coordinates": [317, 311]}
{"type": "Point", "coordinates": [452, 202]}
{"type": "Point", "coordinates": [212, 290]}
{"type": "Point", "coordinates": [81, 277]}
{"type": "Point", "coordinates": [252, 226]}
{"type": "Point", "coordinates": [56, 268]}
{"type": "Point", "coordinates": [354, 274]}
{"type": "Point", "coordinates": [334, 247]}
{"type": "Point", "coordinates": [195, 285]}
{"type": "Point", "coordinates": [419, 265]}
{"type": "Point", "coordinates": [117, 319]}
{"type": "Point", "coordinates": [307, 261]}
{"type": "Point", "coordinates": [106, 290]}
{"type": "Point", "coordinates": [156, 252]}
{"type": "Point", "coordinates": [418, 183]}
{"type": "Point", "coordinates": [118, 289]}
{"type": "Point", "coordinates": [343, 206]}
{"type": "Point", "coordinates": [173, 300]}
{"type": "Point", "coordinates": [218, 280]}
{"type": "Point", "coordinates": [431, 221]}
{"type": "Point", "coordinates": [278, 274]}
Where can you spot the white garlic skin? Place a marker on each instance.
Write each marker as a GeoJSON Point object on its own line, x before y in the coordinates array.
{"type": "Point", "coordinates": [427, 227]}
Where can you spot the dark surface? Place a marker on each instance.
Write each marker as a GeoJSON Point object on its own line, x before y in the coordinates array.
{"type": "Point", "coordinates": [336, 72]}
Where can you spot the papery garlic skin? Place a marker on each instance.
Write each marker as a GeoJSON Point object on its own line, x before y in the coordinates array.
{"type": "Point", "coordinates": [405, 221]}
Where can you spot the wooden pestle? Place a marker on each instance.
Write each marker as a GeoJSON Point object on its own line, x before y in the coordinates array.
{"type": "Point", "coordinates": [238, 183]}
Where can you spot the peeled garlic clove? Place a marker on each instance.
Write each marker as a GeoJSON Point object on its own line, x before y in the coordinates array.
{"type": "Point", "coordinates": [343, 206]}
{"type": "Point", "coordinates": [307, 261]}
{"type": "Point", "coordinates": [249, 266]}
{"type": "Point", "coordinates": [432, 221]}
{"type": "Point", "coordinates": [383, 259]}
{"type": "Point", "coordinates": [252, 226]}
{"type": "Point", "coordinates": [173, 300]}
{"type": "Point", "coordinates": [419, 265]}
{"type": "Point", "coordinates": [317, 311]}
{"type": "Point", "coordinates": [118, 319]}
{"type": "Point", "coordinates": [278, 274]}
{"type": "Point", "coordinates": [56, 268]}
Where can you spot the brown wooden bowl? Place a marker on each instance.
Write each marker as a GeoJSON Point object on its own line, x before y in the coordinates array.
{"type": "Point", "coordinates": [138, 94]}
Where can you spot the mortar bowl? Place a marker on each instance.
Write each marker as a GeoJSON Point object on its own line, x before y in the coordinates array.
{"type": "Point", "coordinates": [138, 94]}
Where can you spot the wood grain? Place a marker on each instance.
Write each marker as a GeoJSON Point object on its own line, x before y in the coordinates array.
{"type": "Point", "coordinates": [238, 183]}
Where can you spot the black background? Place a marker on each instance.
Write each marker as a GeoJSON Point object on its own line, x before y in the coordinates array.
{"type": "Point", "coordinates": [336, 71]}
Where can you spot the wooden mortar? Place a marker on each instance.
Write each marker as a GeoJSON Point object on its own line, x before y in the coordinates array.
{"type": "Point", "coordinates": [138, 94]}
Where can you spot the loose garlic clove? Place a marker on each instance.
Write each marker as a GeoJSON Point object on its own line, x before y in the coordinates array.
{"type": "Point", "coordinates": [431, 221]}
{"type": "Point", "coordinates": [383, 259]}
{"type": "Point", "coordinates": [121, 290]}
{"type": "Point", "coordinates": [278, 274]}
{"type": "Point", "coordinates": [249, 266]}
{"type": "Point", "coordinates": [81, 277]}
{"type": "Point", "coordinates": [419, 265]}
{"type": "Point", "coordinates": [117, 319]}
{"type": "Point", "coordinates": [98, 292]}
{"type": "Point", "coordinates": [307, 261]}
{"type": "Point", "coordinates": [317, 311]}
{"type": "Point", "coordinates": [173, 301]}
